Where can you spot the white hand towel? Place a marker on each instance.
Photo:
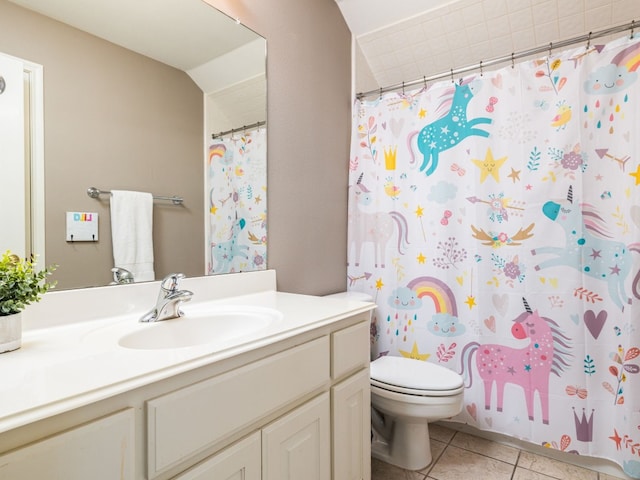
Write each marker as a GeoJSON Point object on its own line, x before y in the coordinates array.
{"type": "Point", "coordinates": [132, 233]}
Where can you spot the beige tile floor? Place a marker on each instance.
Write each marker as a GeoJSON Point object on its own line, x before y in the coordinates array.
{"type": "Point", "coordinates": [460, 456]}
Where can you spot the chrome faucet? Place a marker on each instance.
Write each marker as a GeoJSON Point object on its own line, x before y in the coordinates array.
{"type": "Point", "coordinates": [169, 300]}
{"type": "Point", "coordinates": [121, 276]}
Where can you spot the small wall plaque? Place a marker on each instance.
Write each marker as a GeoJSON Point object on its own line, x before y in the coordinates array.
{"type": "Point", "coordinates": [82, 227]}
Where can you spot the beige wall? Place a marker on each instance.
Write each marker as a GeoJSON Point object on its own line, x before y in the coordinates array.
{"type": "Point", "coordinates": [309, 118]}
{"type": "Point", "coordinates": [114, 120]}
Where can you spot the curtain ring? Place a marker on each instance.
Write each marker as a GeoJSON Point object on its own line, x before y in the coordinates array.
{"type": "Point", "coordinates": [460, 81]}
{"type": "Point", "coordinates": [424, 79]}
{"type": "Point", "coordinates": [513, 60]}
{"type": "Point", "coordinates": [550, 47]}
{"type": "Point", "coordinates": [402, 88]}
{"type": "Point", "coordinates": [589, 40]}
{"type": "Point", "coordinates": [380, 95]}
{"type": "Point", "coordinates": [632, 26]}
{"type": "Point", "coordinates": [452, 80]}
{"type": "Point", "coordinates": [480, 67]}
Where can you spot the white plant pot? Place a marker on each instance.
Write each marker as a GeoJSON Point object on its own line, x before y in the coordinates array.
{"type": "Point", "coordinates": [10, 332]}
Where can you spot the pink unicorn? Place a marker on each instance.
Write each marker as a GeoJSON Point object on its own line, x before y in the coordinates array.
{"type": "Point", "coordinates": [528, 367]}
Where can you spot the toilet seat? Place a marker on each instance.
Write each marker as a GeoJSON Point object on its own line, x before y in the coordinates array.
{"type": "Point", "coordinates": [414, 377]}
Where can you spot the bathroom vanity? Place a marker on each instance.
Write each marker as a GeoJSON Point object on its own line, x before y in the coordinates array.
{"type": "Point", "coordinates": [288, 399]}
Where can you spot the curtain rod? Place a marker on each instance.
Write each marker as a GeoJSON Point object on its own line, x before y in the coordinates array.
{"type": "Point", "coordinates": [507, 58]}
{"type": "Point", "coordinates": [239, 129]}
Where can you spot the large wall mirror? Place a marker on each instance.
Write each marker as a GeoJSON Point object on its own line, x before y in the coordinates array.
{"type": "Point", "coordinates": [133, 93]}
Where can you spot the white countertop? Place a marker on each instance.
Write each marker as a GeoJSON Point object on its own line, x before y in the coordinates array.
{"type": "Point", "coordinates": [69, 365]}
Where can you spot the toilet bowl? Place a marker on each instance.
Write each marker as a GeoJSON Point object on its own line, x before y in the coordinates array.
{"type": "Point", "coordinates": [406, 395]}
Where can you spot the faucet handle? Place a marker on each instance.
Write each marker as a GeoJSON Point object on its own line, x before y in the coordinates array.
{"type": "Point", "coordinates": [170, 282]}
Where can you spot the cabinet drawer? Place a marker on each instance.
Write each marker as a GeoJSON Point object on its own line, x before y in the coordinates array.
{"type": "Point", "coordinates": [189, 420]}
{"type": "Point", "coordinates": [350, 349]}
{"type": "Point", "coordinates": [100, 450]}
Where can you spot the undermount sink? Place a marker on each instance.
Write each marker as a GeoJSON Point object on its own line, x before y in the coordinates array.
{"type": "Point", "coordinates": [200, 327]}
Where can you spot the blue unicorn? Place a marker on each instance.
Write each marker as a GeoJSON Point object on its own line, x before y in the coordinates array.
{"type": "Point", "coordinates": [589, 248]}
{"type": "Point", "coordinates": [450, 130]}
{"type": "Point", "coordinates": [224, 252]}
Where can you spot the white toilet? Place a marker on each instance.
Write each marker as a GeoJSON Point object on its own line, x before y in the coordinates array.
{"type": "Point", "coordinates": [406, 395]}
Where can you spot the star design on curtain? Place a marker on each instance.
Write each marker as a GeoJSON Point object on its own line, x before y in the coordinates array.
{"type": "Point", "coordinates": [471, 301]}
{"type": "Point", "coordinates": [489, 166]}
{"type": "Point", "coordinates": [636, 174]}
{"type": "Point", "coordinates": [514, 175]}
{"type": "Point", "coordinates": [415, 354]}
{"type": "Point", "coordinates": [616, 438]}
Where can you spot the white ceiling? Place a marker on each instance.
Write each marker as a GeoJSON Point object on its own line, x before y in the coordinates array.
{"type": "Point", "coordinates": [405, 40]}
{"type": "Point", "coordinates": [365, 16]}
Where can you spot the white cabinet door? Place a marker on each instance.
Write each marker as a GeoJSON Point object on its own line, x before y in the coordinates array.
{"type": "Point", "coordinates": [351, 407]}
{"type": "Point", "coordinates": [99, 450]}
{"type": "Point", "coordinates": [297, 446]}
{"type": "Point", "coordinates": [240, 461]}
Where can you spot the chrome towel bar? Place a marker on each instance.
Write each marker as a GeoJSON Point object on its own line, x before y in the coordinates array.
{"type": "Point", "coordinates": [94, 192]}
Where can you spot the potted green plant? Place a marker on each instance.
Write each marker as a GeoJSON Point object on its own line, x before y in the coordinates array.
{"type": "Point", "coordinates": [20, 284]}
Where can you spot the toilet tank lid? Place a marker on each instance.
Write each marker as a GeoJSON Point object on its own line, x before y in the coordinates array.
{"type": "Point", "coordinates": [414, 374]}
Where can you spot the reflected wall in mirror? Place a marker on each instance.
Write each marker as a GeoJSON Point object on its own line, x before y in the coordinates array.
{"type": "Point", "coordinates": [132, 105]}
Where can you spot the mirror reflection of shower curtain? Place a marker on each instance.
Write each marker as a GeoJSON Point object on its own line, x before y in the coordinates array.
{"type": "Point", "coordinates": [237, 203]}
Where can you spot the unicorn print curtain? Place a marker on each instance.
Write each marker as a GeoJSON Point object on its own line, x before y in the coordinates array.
{"type": "Point", "coordinates": [237, 203]}
{"type": "Point", "coordinates": [496, 221]}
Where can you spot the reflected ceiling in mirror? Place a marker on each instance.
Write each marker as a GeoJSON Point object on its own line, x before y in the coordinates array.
{"type": "Point", "coordinates": [135, 149]}
{"type": "Point", "coordinates": [183, 34]}
{"type": "Point", "coordinates": [191, 36]}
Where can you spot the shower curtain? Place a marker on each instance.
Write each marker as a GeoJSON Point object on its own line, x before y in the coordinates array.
{"type": "Point", "coordinates": [495, 219]}
{"type": "Point", "coordinates": [237, 203]}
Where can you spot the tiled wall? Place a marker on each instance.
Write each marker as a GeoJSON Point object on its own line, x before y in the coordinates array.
{"type": "Point", "coordinates": [464, 32]}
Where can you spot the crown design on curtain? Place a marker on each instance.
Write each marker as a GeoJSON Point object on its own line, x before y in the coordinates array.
{"type": "Point", "coordinates": [584, 427]}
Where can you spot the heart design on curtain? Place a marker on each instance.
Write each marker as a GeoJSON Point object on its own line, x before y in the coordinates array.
{"type": "Point", "coordinates": [595, 323]}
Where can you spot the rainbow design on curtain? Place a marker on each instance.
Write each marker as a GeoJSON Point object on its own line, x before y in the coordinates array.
{"type": "Point", "coordinates": [437, 291]}
{"type": "Point", "coordinates": [237, 203]}
{"type": "Point", "coordinates": [496, 221]}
